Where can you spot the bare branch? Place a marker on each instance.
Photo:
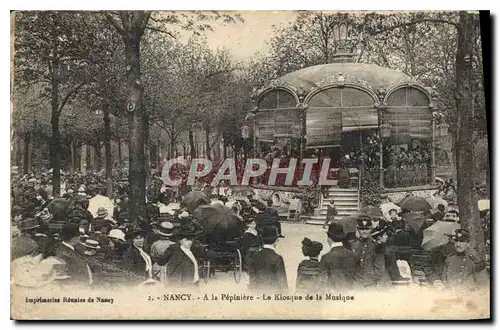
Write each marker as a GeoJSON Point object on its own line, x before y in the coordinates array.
{"type": "Point", "coordinates": [419, 21]}
{"type": "Point", "coordinates": [161, 31]}
{"type": "Point", "coordinates": [115, 24]}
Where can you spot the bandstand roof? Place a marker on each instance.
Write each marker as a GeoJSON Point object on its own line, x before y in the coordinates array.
{"type": "Point", "coordinates": [373, 75]}
{"type": "Point", "coordinates": [322, 101]}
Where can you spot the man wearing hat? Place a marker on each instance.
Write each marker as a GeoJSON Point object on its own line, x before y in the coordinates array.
{"type": "Point", "coordinates": [338, 266]}
{"type": "Point", "coordinates": [266, 269]}
{"type": "Point", "coordinates": [23, 244]}
{"type": "Point", "coordinates": [462, 268]}
{"type": "Point", "coordinates": [165, 232]}
{"type": "Point", "coordinates": [371, 267]}
{"type": "Point", "coordinates": [75, 264]}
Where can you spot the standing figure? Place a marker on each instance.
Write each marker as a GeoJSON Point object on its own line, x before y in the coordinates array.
{"type": "Point", "coordinates": [24, 244]}
{"type": "Point", "coordinates": [266, 269]}
{"type": "Point", "coordinates": [308, 270]}
{"type": "Point", "coordinates": [331, 212]}
{"type": "Point", "coordinates": [75, 265]}
{"type": "Point", "coordinates": [371, 268]}
{"type": "Point", "coordinates": [461, 268]}
{"type": "Point", "coordinates": [165, 232]}
{"type": "Point", "coordinates": [251, 242]}
{"type": "Point", "coordinates": [182, 265]}
{"type": "Point", "coordinates": [337, 267]}
{"type": "Point", "coordinates": [135, 259]}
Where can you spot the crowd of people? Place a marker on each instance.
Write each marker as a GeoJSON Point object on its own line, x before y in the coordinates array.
{"type": "Point", "coordinates": [107, 249]}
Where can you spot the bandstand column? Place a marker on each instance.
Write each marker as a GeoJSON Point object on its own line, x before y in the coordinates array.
{"type": "Point", "coordinates": [381, 163]}
{"type": "Point", "coordinates": [433, 149]}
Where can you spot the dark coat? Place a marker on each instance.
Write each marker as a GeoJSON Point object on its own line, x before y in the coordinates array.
{"type": "Point", "coordinates": [180, 268]}
{"type": "Point", "coordinates": [23, 245]}
{"type": "Point", "coordinates": [250, 245]}
{"type": "Point", "coordinates": [75, 265]}
{"type": "Point", "coordinates": [266, 270]}
{"type": "Point", "coordinates": [337, 268]}
{"type": "Point", "coordinates": [462, 269]}
{"type": "Point", "coordinates": [133, 262]}
{"type": "Point", "coordinates": [307, 276]}
{"type": "Point", "coordinates": [371, 267]}
{"type": "Point", "coordinates": [46, 244]}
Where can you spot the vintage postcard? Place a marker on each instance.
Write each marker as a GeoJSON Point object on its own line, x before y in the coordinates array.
{"type": "Point", "coordinates": [276, 165]}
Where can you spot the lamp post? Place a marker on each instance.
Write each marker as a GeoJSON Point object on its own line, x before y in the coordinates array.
{"type": "Point", "coordinates": [439, 129]}
{"type": "Point", "coordinates": [245, 134]}
{"type": "Point", "coordinates": [385, 132]}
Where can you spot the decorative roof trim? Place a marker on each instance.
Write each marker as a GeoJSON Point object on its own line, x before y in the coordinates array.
{"type": "Point", "coordinates": [406, 84]}
{"type": "Point", "coordinates": [278, 84]}
{"type": "Point", "coordinates": [363, 88]}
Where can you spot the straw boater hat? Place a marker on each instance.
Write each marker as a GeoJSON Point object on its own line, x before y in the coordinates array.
{"type": "Point", "coordinates": [91, 244]}
{"type": "Point", "coordinates": [102, 212]}
{"type": "Point", "coordinates": [118, 234]}
{"type": "Point", "coordinates": [28, 224]}
{"type": "Point", "coordinates": [166, 229]}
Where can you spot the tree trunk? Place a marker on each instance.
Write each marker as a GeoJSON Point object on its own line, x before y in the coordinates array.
{"type": "Point", "coordinates": [469, 214]}
{"type": "Point", "coordinates": [171, 148]}
{"type": "Point", "coordinates": [147, 150]}
{"type": "Point", "coordinates": [119, 141]}
{"type": "Point", "coordinates": [55, 163]}
{"type": "Point", "coordinates": [192, 148]}
{"type": "Point", "coordinates": [19, 152]}
{"type": "Point", "coordinates": [137, 172]}
{"type": "Point", "coordinates": [26, 154]}
{"type": "Point", "coordinates": [107, 151]}
{"type": "Point", "coordinates": [73, 160]}
{"type": "Point", "coordinates": [207, 143]}
{"type": "Point", "coordinates": [83, 160]}
{"type": "Point", "coordinates": [98, 156]}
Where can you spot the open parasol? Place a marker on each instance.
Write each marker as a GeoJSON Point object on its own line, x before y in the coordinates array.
{"type": "Point", "coordinates": [194, 199]}
{"type": "Point", "coordinates": [483, 205]}
{"type": "Point", "coordinates": [415, 204]}
{"type": "Point", "coordinates": [219, 222]}
{"type": "Point", "coordinates": [372, 211]}
{"type": "Point", "coordinates": [414, 220]}
{"type": "Point", "coordinates": [170, 208]}
{"type": "Point", "coordinates": [438, 234]}
{"type": "Point", "coordinates": [435, 201]}
{"type": "Point", "coordinates": [101, 201]}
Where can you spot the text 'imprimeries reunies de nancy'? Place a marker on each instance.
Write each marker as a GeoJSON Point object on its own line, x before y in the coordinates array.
{"type": "Point", "coordinates": [71, 300]}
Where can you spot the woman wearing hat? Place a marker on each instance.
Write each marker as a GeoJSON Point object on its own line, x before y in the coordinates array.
{"type": "Point", "coordinates": [308, 270]}
{"type": "Point", "coordinates": [182, 264]}
{"type": "Point", "coordinates": [165, 232]}
{"type": "Point", "coordinates": [135, 259]}
{"type": "Point", "coordinates": [251, 241]}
